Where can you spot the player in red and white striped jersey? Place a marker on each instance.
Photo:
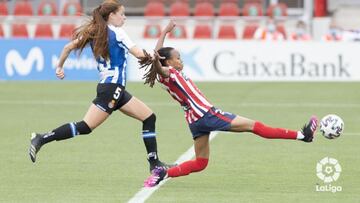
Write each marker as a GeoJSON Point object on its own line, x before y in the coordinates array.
{"type": "Point", "coordinates": [187, 94]}
{"type": "Point", "coordinates": [201, 115]}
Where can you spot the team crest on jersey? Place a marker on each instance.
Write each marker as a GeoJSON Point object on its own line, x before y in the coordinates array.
{"type": "Point", "coordinates": [111, 104]}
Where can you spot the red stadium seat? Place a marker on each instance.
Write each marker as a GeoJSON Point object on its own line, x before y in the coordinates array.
{"type": "Point", "coordinates": [227, 32]}
{"type": "Point", "coordinates": [229, 9]}
{"type": "Point", "coordinates": [154, 8]}
{"type": "Point", "coordinates": [72, 8]}
{"type": "Point", "coordinates": [47, 8]}
{"type": "Point", "coordinates": [43, 31]}
{"type": "Point", "coordinates": [276, 10]}
{"type": "Point", "coordinates": [249, 31]}
{"type": "Point", "coordinates": [23, 8]}
{"type": "Point", "coordinates": [19, 31]}
{"type": "Point", "coordinates": [252, 9]}
{"type": "Point", "coordinates": [179, 8]}
{"type": "Point", "coordinates": [152, 31]}
{"type": "Point", "coordinates": [204, 8]}
{"type": "Point", "coordinates": [1, 32]}
{"type": "Point", "coordinates": [3, 8]}
{"type": "Point", "coordinates": [202, 32]}
{"type": "Point", "coordinates": [179, 32]}
{"type": "Point", "coordinates": [66, 30]}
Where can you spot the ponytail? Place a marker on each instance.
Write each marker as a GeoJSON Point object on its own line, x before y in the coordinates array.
{"type": "Point", "coordinates": [148, 64]}
{"type": "Point", "coordinates": [150, 71]}
{"type": "Point", "coordinates": [95, 31]}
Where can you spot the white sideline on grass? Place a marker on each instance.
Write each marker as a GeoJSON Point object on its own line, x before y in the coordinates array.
{"type": "Point", "coordinates": [145, 193]}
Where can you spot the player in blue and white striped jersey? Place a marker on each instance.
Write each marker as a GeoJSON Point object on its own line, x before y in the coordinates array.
{"type": "Point", "coordinates": [111, 46]}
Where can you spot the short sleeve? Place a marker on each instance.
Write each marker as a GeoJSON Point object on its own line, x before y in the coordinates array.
{"type": "Point", "coordinates": [123, 38]}
{"type": "Point", "coordinates": [172, 73]}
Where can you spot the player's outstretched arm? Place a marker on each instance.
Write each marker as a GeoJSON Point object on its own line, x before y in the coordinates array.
{"type": "Point", "coordinates": [168, 28]}
{"type": "Point", "coordinates": [137, 52]}
{"type": "Point", "coordinates": [152, 65]}
{"type": "Point", "coordinates": [64, 54]}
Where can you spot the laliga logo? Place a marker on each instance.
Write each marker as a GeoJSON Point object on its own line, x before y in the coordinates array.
{"type": "Point", "coordinates": [328, 169]}
{"type": "Point", "coordinates": [13, 60]}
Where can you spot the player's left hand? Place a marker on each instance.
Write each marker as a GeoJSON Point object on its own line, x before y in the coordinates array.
{"type": "Point", "coordinates": [170, 26]}
{"type": "Point", "coordinates": [60, 73]}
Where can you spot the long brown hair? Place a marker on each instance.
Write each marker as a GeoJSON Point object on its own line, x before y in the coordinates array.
{"type": "Point", "coordinates": [95, 31]}
{"type": "Point", "coordinates": [151, 74]}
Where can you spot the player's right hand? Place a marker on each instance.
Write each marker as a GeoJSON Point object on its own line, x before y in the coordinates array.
{"type": "Point", "coordinates": [60, 73]}
{"type": "Point", "coordinates": [157, 56]}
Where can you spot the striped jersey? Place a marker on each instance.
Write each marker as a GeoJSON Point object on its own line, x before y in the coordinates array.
{"type": "Point", "coordinates": [113, 70]}
{"type": "Point", "coordinates": [183, 90]}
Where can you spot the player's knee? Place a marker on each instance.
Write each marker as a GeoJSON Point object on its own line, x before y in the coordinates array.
{"type": "Point", "coordinates": [149, 123]}
{"type": "Point", "coordinates": [201, 164]}
{"type": "Point", "coordinates": [82, 128]}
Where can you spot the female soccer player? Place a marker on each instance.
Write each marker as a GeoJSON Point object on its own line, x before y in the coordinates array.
{"type": "Point", "coordinates": [201, 115]}
{"type": "Point", "coordinates": [111, 46]}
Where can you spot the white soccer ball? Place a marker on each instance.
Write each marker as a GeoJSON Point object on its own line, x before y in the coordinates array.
{"type": "Point", "coordinates": [331, 126]}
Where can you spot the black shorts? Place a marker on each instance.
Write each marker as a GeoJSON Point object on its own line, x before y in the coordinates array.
{"type": "Point", "coordinates": [111, 97]}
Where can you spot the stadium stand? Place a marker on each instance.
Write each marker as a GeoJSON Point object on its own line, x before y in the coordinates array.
{"type": "Point", "coordinates": [281, 28]}
{"type": "Point", "coordinates": [47, 8]}
{"type": "Point", "coordinates": [229, 8]}
{"type": "Point", "coordinates": [23, 8]}
{"type": "Point", "coordinates": [204, 8]}
{"type": "Point", "coordinates": [1, 32]}
{"type": "Point", "coordinates": [19, 30]}
{"type": "Point", "coordinates": [72, 8]}
{"type": "Point", "coordinates": [66, 30]}
{"type": "Point", "coordinates": [179, 32]}
{"type": "Point", "coordinates": [300, 33]}
{"type": "Point", "coordinates": [43, 31]}
{"type": "Point", "coordinates": [202, 31]}
{"type": "Point", "coordinates": [252, 9]}
{"type": "Point", "coordinates": [320, 9]}
{"type": "Point", "coordinates": [249, 31]}
{"type": "Point", "coordinates": [224, 15]}
{"type": "Point", "coordinates": [277, 10]}
{"type": "Point", "coordinates": [4, 8]}
{"type": "Point", "coordinates": [179, 8]}
{"type": "Point", "coordinates": [152, 31]}
{"type": "Point", "coordinates": [227, 32]}
{"type": "Point", "coordinates": [154, 8]}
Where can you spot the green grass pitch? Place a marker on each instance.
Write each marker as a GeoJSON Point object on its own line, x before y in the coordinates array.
{"type": "Point", "coordinates": [110, 164]}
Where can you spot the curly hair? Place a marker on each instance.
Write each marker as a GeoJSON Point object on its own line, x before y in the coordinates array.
{"type": "Point", "coordinates": [147, 63]}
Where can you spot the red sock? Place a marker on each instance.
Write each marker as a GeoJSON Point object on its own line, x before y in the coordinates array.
{"type": "Point", "coordinates": [273, 133]}
{"type": "Point", "coordinates": [188, 167]}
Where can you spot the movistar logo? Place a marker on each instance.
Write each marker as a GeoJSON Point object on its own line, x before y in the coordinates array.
{"type": "Point", "coordinates": [15, 63]}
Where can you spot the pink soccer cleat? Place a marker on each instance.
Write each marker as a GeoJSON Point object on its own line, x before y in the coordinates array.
{"type": "Point", "coordinates": [157, 175]}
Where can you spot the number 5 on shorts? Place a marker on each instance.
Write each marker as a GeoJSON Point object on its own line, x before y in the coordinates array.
{"type": "Point", "coordinates": [117, 93]}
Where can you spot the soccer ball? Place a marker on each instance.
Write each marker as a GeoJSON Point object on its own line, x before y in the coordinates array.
{"type": "Point", "coordinates": [331, 126]}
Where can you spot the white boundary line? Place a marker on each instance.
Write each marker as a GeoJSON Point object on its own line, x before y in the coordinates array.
{"type": "Point", "coordinates": [244, 104]}
{"type": "Point", "coordinates": [143, 194]}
